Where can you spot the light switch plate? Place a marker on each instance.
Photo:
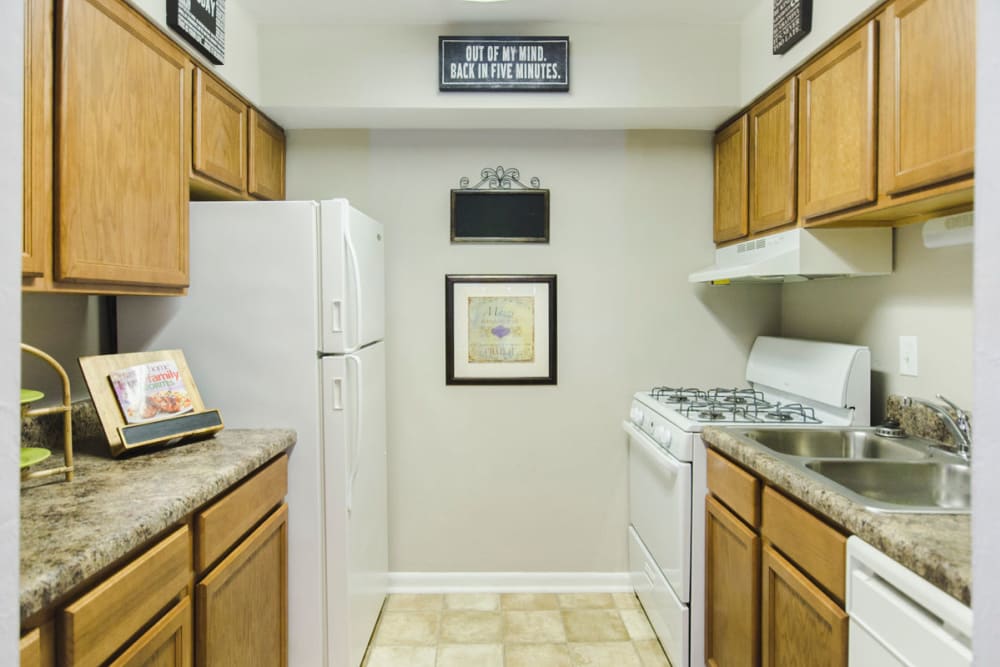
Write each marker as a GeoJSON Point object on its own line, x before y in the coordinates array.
{"type": "Point", "coordinates": [908, 355]}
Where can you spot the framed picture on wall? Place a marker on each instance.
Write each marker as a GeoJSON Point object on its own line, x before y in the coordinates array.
{"type": "Point", "coordinates": [500, 329]}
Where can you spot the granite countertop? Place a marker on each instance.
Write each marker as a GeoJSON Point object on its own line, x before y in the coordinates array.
{"type": "Point", "coordinates": [938, 547]}
{"type": "Point", "coordinates": [70, 531]}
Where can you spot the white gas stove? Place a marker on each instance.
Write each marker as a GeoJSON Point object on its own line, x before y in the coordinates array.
{"type": "Point", "coordinates": [791, 383]}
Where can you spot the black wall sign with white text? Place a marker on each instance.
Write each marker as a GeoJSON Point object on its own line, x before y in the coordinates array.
{"type": "Point", "coordinates": [792, 22]}
{"type": "Point", "coordinates": [202, 23]}
{"type": "Point", "coordinates": [524, 64]}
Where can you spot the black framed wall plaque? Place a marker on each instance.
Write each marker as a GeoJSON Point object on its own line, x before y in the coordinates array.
{"type": "Point", "coordinates": [503, 63]}
{"type": "Point", "coordinates": [792, 21]}
{"type": "Point", "coordinates": [202, 23]}
{"type": "Point", "coordinates": [499, 209]}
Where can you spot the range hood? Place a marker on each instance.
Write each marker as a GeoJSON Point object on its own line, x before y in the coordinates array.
{"type": "Point", "coordinates": [802, 254]}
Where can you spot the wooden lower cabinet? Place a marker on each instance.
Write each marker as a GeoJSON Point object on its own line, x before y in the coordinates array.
{"type": "Point", "coordinates": [801, 625]}
{"type": "Point", "coordinates": [762, 608]}
{"type": "Point", "coordinates": [97, 624]}
{"type": "Point", "coordinates": [161, 609]}
{"type": "Point", "coordinates": [732, 588]}
{"type": "Point", "coordinates": [166, 644]}
{"type": "Point", "coordinates": [242, 603]}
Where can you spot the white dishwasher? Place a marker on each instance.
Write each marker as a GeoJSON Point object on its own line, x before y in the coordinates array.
{"type": "Point", "coordinates": [900, 619]}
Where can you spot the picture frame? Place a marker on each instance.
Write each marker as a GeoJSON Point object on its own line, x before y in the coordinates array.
{"type": "Point", "coordinates": [500, 329]}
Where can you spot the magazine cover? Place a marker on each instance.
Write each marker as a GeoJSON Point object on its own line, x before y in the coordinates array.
{"type": "Point", "coordinates": [150, 391]}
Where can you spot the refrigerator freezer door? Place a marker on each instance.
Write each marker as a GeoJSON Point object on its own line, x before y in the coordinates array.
{"type": "Point", "coordinates": [353, 277]}
{"type": "Point", "coordinates": [355, 499]}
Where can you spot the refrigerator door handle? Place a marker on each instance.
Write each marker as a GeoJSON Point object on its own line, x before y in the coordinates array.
{"type": "Point", "coordinates": [358, 421]}
{"type": "Point", "coordinates": [337, 316]}
{"type": "Point", "coordinates": [355, 269]}
{"type": "Point", "coordinates": [338, 393]}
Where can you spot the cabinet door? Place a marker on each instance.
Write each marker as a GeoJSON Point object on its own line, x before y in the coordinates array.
{"type": "Point", "coordinates": [122, 154]}
{"type": "Point", "coordinates": [219, 149]}
{"type": "Point", "coordinates": [242, 603]}
{"type": "Point", "coordinates": [99, 623]}
{"type": "Point", "coordinates": [800, 624]}
{"type": "Point", "coordinates": [772, 159]}
{"type": "Point", "coordinates": [38, 55]}
{"type": "Point", "coordinates": [732, 589]}
{"type": "Point", "coordinates": [166, 644]}
{"type": "Point", "coordinates": [267, 158]}
{"type": "Point", "coordinates": [837, 126]}
{"type": "Point", "coordinates": [928, 109]}
{"type": "Point", "coordinates": [731, 181]}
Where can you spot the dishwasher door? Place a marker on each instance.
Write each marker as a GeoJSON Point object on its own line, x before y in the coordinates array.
{"type": "Point", "coordinates": [898, 618]}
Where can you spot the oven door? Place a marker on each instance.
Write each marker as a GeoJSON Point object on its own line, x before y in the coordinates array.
{"type": "Point", "coordinates": [660, 508]}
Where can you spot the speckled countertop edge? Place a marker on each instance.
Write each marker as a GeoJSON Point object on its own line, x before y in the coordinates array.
{"type": "Point", "coordinates": [70, 531]}
{"type": "Point", "coordinates": [938, 547]}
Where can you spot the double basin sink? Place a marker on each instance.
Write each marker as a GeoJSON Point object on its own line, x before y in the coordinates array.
{"type": "Point", "coordinates": [880, 473]}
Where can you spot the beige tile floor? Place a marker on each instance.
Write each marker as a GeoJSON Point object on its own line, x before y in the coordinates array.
{"type": "Point", "coordinates": [514, 630]}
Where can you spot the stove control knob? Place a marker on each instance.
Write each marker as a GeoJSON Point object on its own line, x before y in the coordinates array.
{"type": "Point", "coordinates": [661, 435]}
{"type": "Point", "coordinates": [636, 415]}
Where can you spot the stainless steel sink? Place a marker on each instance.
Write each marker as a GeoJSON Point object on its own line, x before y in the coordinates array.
{"type": "Point", "coordinates": [881, 474]}
{"type": "Point", "coordinates": [835, 444]}
{"type": "Point", "coordinates": [902, 485]}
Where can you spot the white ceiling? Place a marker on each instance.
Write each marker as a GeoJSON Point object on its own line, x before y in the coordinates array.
{"type": "Point", "coordinates": [508, 11]}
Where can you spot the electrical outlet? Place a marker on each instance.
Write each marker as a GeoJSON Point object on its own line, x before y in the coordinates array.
{"type": "Point", "coordinates": [908, 355]}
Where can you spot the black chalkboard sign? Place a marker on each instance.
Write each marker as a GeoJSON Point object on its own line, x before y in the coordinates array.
{"type": "Point", "coordinates": [527, 64]}
{"type": "Point", "coordinates": [500, 216]}
{"type": "Point", "coordinates": [202, 23]}
{"type": "Point", "coordinates": [792, 22]}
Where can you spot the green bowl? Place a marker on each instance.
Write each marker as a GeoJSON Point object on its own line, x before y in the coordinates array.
{"type": "Point", "coordinates": [32, 455]}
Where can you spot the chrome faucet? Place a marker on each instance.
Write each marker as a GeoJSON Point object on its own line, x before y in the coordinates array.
{"type": "Point", "coordinates": [960, 425]}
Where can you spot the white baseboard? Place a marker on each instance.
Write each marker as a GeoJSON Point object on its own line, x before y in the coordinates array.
{"type": "Point", "coordinates": [509, 582]}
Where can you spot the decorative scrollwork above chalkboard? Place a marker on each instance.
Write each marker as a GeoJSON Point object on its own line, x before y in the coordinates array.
{"type": "Point", "coordinates": [499, 209]}
{"type": "Point", "coordinates": [499, 179]}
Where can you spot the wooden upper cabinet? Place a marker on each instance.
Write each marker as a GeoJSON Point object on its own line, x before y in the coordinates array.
{"type": "Point", "coordinates": [837, 126]}
{"type": "Point", "coordinates": [267, 158]}
{"type": "Point", "coordinates": [37, 222]}
{"type": "Point", "coordinates": [123, 92]}
{"type": "Point", "coordinates": [732, 589]}
{"type": "Point", "coordinates": [219, 141]}
{"type": "Point", "coordinates": [929, 90]}
{"type": "Point", "coordinates": [731, 181]}
{"type": "Point", "coordinates": [772, 159]}
{"type": "Point", "coordinates": [800, 624]}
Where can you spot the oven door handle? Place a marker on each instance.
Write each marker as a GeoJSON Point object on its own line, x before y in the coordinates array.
{"type": "Point", "coordinates": [651, 449]}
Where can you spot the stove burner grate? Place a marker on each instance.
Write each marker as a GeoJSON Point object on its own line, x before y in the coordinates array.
{"type": "Point", "coordinates": [789, 412]}
{"type": "Point", "coordinates": [677, 394]}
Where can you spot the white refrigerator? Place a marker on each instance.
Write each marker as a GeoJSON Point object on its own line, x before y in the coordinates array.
{"type": "Point", "coordinates": [283, 326]}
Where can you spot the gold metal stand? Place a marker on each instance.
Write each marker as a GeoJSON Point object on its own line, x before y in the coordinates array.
{"type": "Point", "coordinates": [67, 411]}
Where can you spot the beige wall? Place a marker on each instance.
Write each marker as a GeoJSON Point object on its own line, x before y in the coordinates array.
{"type": "Point", "coordinates": [66, 326]}
{"type": "Point", "coordinates": [533, 478]}
{"type": "Point", "coordinates": [383, 76]}
{"type": "Point", "coordinates": [929, 295]}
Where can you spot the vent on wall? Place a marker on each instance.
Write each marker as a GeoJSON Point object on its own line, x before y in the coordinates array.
{"type": "Point", "coordinates": [759, 244]}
